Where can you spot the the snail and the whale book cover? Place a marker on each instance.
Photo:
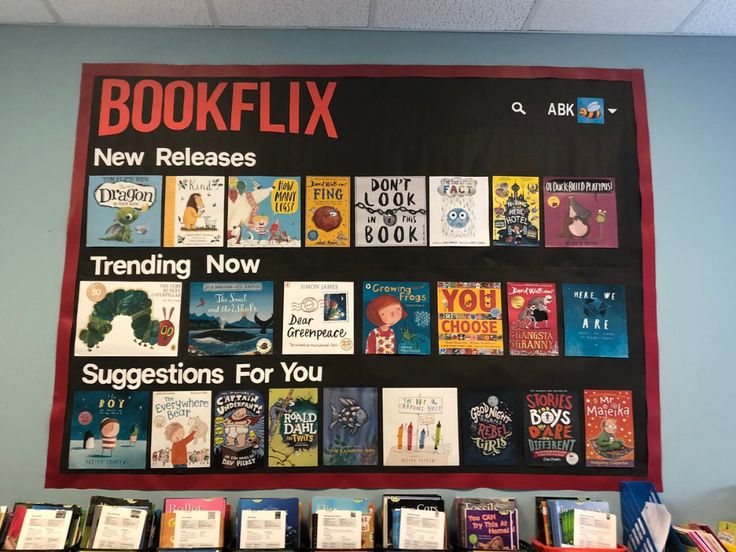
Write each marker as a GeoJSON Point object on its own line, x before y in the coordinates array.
{"type": "Point", "coordinates": [351, 417]}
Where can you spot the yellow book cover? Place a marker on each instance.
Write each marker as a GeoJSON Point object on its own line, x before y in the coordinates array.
{"type": "Point", "coordinates": [727, 534]}
{"type": "Point", "coordinates": [327, 204]}
{"type": "Point", "coordinates": [194, 211]}
{"type": "Point", "coordinates": [166, 536]}
{"type": "Point", "coordinates": [469, 318]}
{"type": "Point", "coordinates": [515, 211]}
{"type": "Point", "coordinates": [293, 427]}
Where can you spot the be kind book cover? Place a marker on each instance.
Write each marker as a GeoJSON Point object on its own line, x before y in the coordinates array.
{"type": "Point", "coordinates": [327, 206]}
{"type": "Point", "coordinates": [490, 428]}
{"type": "Point", "coordinates": [532, 319]}
{"type": "Point", "coordinates": [469, 318]}
{"type": "Point", "coordinates": [351, 418]}
{"type": "Point", "coordinates": [516, 211]}
{"type": "Point", "coordinates": [194, 211]}
{"type": "Point", "coordinates": [293, 427]}
{"type": "Point", "coordinates": [458, 207]}
{"type": "Point", "coordinates": [181, 423]}
{"type": "Point", "coordinates": [609, 428]}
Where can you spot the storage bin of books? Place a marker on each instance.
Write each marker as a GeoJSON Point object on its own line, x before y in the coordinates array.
{"type": "Point", "coordinates": [540, 547]}
{"type": "Point", "coordinates": [634, 496]}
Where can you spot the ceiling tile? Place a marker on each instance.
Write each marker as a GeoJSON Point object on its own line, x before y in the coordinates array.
{"type": "Point", "coordinates": [607, 16]}
{"type": "Point", "coordinates": [144, 13]}
{"type": "Point", "coordinates": [24, 11]}
{"type": "Point", "coordinates": [292, 13]}
{"type": "Point", "coordinates": [457, 15]}
{"type": "Point", "coordinates": [714, 17]}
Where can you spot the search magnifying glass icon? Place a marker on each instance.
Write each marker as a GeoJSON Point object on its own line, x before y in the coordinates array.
{"type": "Point", "coordinates": [517, 107]}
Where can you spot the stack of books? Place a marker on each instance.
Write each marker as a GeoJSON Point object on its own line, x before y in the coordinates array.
{"type": "Point", "coordinates": [42, 526]}
{"type": "Point", "coordinates": [193, 522]}
{"type": "Point", "coordinates": [414, 522]}
{"type": "Point", "coordinates": [580, 522]}
{"type": "Point", "coordinates": [700, 537]}
{"type": "Point", "coordinates": [487, 523]}
{"type": "Point", "coordinates": [272, 523]}
{"type": "Point", "coordinates": [118, 523]}
{"type": "Point", "coordinates": [346, 523]}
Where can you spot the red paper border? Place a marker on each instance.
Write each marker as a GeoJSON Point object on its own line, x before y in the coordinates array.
{"type": "Point", "coordinates": [56, 479]}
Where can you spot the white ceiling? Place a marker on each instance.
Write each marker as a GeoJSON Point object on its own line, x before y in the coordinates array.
{"type": "Point", "coordinates": [679, 17]}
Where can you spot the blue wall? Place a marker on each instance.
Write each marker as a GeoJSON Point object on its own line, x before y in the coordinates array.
{"type": "Point", "coordinates": [690, 87]}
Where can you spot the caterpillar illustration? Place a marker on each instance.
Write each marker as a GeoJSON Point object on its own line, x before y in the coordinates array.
{"type": "Point", "coordinates": [127, 302]}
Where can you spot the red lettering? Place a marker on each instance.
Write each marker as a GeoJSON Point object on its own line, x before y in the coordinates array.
{"type": "Point", "coordinates": [108, 104]}
{"type": "Point", "coordinates": [187, 104]}
{"type": "Point", "coordinates": [157, 100]}
{"type": "Point", "coordinates": [294, 107]}
{"type": "Point", "coordinates": [238, 104]}
{"type": "Point", "coordinates": [207, 105]}
{"type": "Point", "coordinates": [266, 124]}
{"type": "Point", "coordinates": [321, 109]}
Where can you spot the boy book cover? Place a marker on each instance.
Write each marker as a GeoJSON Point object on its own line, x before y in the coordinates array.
{"type": "Point", "coordinates": [127, 319]}
{"type": "Point", "coordinates": [293, 427]}
{"type": "Point", "coordinates": [194, 211]}
{"type": "Point", "coordinates": [490, 428]}
{"type": "Point", "coordinates": [532, 319]}
{"type": "Point", "coordinates": [516, 211]}
{"type": "Point", "coordinates": [595, 320]}
{"type": "Point", "coordinates": [351, 418]}
{"type": "Point", "coordinates": [491, 529]}
{"type": "Point", "coordinates": [318, 318]}
{"type": "Point", "coordinates": [230, 318]}
{"type": "Point", "coordinates": [180, 429]}
{"type": "Point", "coordinates": [580, 212]}
{"type": "Point", "coordinates": [609, 428]}
{"type": "Point", "coordinates": [327, 208]}
{"type": "Point", "coordinates": [264, 211]}
{"type": "Point", "coordinates": [420, 426]}
{"type": "Point", "coordinates": [108, 430]}
{"type": "Point", "coordinates": [239, 436]}
{"type": "Point", "coordinates": [469, 318]}
{"type": "Point", "coordinates": [291, 506]}
{"type": "Point", "coordinates": [390, 211]}
{"type": "Point", "coordinates": [459, 209]}
{"type": "Point", "coordinates": [551, 428]}
{"type": "Point", "coordinates": [124, 211]}
{"type": "Point", "coordinates": [396, 318]}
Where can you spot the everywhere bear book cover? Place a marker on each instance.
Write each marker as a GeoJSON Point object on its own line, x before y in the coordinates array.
{"type": "Point", "coordinates": [390, 211]}
{"type": "Point", "coordinates": [516, 211]}
{"type": "Point", "coordinates": [532, 319]}
{"type": "Point", "coordinates": [351, 418]}
{"type": "Point", "coordinates": [490, 428]}
{"type": "Point", "coordinates": [238, 436]}
{"type": "Point", "coordinates": [293, 427]}
{"type": "Point", "coordinates": [469, 318]}
{"type": "Point", "coordinates": [264, 211]}
{"type": "Point", "coordinates": [108, 430]}
{"type": "Point", "coordinates": [180, 429]}
{"type": "Point", "coordinates": [396, 318]}
{"type": "Point", "coordinates": [194, 211]}
{"type": "Point", "coordinates": [580, 212]}
{"type": "Point", "coordinates": [230, 318]}
{"type": "Point", "coordinates": [609, 428]}
{"type": "Point", "coordinates": [128, 319]}
{"type": "Point", "coordinates": [552, 428]}
{"type": "Point", "coordinates": [327, 211]}
{"type": "Point", "coordinates": [458, 207]}
{"type": "Point", "coordinates": [124, 211]}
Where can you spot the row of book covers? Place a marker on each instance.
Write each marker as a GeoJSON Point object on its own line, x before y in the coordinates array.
{"type": "Point", "coordinates": [419, 427]}
{"type": "Point", "coordinates": [266, 211]}
{"type": "Point", "coordinates": [237, 318]}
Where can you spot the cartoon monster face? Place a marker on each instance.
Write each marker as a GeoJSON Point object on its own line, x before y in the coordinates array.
{"type": "Point", "coordinates": [327, 218]}
{"type": "Point", "coordinates": [165, 333]}
{"type": "Point", "coordinates": [458, 218]}
{"type": "Point", "coordinates": [126, 215]}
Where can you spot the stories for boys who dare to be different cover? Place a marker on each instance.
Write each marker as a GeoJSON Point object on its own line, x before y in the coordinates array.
{"type": "Point", "coordinates": [469, 318]}
{"type": "Point", "coordinates": [552, 432]}
{"type": "Point", "coordinates": [293, 427]}
{"type": "Point", "coordinates": [351, 418]}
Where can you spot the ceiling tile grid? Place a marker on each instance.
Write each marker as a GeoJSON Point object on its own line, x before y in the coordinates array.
{"type": "Point", "coordinates": [127, 13]}
{"type": "Point", "coordinates": [716, 17]}
{"type": "Point", "coordinates": [293, 13]}
{"type": "Point", "coordinates": [24, 11]}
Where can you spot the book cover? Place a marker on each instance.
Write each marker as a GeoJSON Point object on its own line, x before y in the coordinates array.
{"type": "Point", "coordinates": [532, 319]}
{"type": "Point", "coordinates": [469, 318]}
{"type": "Point", "coordinates": [264, 211]}
{"type": "Point", "coordinates": [230, 318]}
{"type": "Point", "coordinates": [552, 428]}
{"type": "Point", "coordinates": [390, 211]}
{"type": "Point", "coordinates": [580, 212]}
{"type": "Point", "coordinates": [561, 517]}
{"type": "Point", "coordinates": [108, 430]}
{"type": "Point", "coordinates": [609, 428]}
{"type": "Point", "coordinates": [194, 211]}
{"type": "Point", "coordinates": [124, 211]}
{"type": "Point", "coordinates": [361, 504]}
{"type": "Point", "coordinates": [394, 503]}
{"type": "Point", "coordinates": [293, 427]}
{"type": "Point", "coordinates": [396, 318]}
{"type": "Point", "coordinates": [492, 529]}
{"type": "Point", "coordinates": [420, 426]}
{"type": "Point", "coordinates": [490, 428]}
{"type": "Point", "coordinates": [464, 504]}
{"type": "Point", "coordinates": [318, 318]}
{"type": "Point", "coordinates": [96, 502]}
{"type": "Point", "coordinates": [239, 435]}
{"type": "Point", "coordinates": [327, 208]}
{"type": "Point", "coordinates": [727, 534]}
{"type": "Point", "coordinates": [351, 417]}
{"type": "Point", "coordinates": [595, 320]}
{"type": "Point", "coordinates": [180, 429]}
{"type": "Point", "coordinates": [458, 207]}
{"type": "Point", "coordinates": [173, 505]}
{"type": "Point", "coordinates": [516, 211]}
{"type": "Point", "coordinates": [291, 506]}
{"type": "Point", "coordinates": [127, 319]}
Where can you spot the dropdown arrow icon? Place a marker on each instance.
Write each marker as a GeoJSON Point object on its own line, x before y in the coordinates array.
{"type": "Point", "coordinates": [612, 110]}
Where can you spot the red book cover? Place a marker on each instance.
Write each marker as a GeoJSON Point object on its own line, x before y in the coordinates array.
{"type": "Point", "coordinates": [532, 319]}
{"type": "Point", "coordinates": [609, 429]}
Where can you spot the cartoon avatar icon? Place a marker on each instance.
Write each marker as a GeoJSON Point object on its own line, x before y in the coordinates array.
{"type": "Point", "coordinates": [166, 329]}
{"type": "Point", "coordinates": [192, 212]}
{"type": "Point", "coordinates": [109, 429]}
{"type": "Point", "coordinates": [237, 427]}
{"type": "Point", "coordinates": [120, 230]}
{"type": "Point", "coordinates": [458, 217]}
{"type": "Point", "coordinates": [383, 312]}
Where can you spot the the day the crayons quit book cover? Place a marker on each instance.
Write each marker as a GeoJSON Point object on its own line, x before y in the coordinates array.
{"type": "Point", "coordinates": [239, 437]}
{"type": "Point", "coordinates": [516, 211]}
{"type": "Point", "coordinates": [595, 320]}
{"type": "Point", "coordinates": [108, 430]}
{"type": "Point", "coordinates": [230, 318]}
{"type": "Point", "coordinates": [293, 427]}
{"type": "Point", "coordinates": [390, 211]}
{"type": "Point", "coordinates": [552, 432]}
{"type": "Point", "coordinates": [396, 318]}
{"type": "Point", "coordinates": [458, 209]}
{"type": "Point", "coordinates": [327, 207]}
{"type": "Point", "coordinates": [124, 211]}
{"type": "Point", "coordinates": [351, 417]}
{"type": "Point", "coordinates": [580, 212]}
{"type": "Point", "coordinates": [609, 428]}
{"type": "Point", "coordinates": [490, 428]}
{"type": "Point", "coordinates": [469, 318]}
{"type": "Point", "coordinates": [264, 211]}
{"type": "Point", "coordinates": [194, 211]}
{"type": "Point", "coordinates": [532, 319]}
{"type": "Point", "coordinates": [180, 429]}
